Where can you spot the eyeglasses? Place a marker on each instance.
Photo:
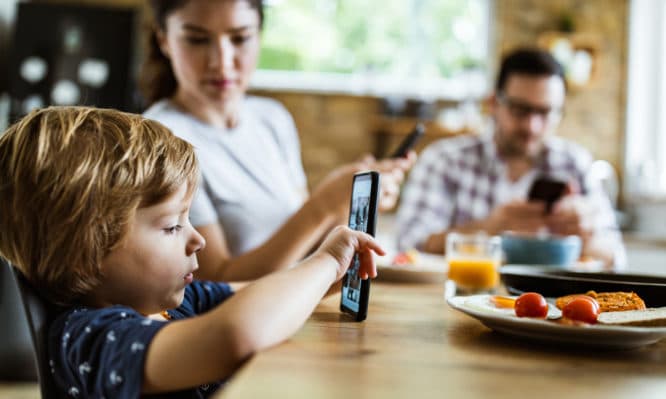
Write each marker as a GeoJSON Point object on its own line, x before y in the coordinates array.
{"type": "Point", "coordinates": [521, 109]}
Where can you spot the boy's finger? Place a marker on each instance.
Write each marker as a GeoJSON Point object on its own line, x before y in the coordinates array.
{"type": "Point", "coordinates": [366, 241]}
{"type": "Point", "coordinates": [368, 267]}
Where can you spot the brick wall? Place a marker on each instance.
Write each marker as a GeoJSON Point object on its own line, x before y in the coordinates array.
{"type": "Point", "coordinates": [594, 115]}
{"type": "Point", "coordinates": [334, 129]}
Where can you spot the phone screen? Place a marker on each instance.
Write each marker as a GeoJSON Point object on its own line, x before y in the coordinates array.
{"type": "Point", "coordinates": [362, 217]}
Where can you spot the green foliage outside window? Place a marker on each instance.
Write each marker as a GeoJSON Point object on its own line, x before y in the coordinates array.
{"type": "Point", "coordinates": [408, 38]}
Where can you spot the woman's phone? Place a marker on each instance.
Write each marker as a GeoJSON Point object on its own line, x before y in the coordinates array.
{"type": "Point", "coordinates": [362, 217]}
{"type": "Point", "coordinates": [548, 190]}
{"type": "Point", "coordinates": [410, 141]}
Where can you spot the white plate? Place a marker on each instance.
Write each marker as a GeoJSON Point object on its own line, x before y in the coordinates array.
{"type": "Point", "coordinates": [598, 336]}
{"type": "Point", "coordinates": [429, 269]}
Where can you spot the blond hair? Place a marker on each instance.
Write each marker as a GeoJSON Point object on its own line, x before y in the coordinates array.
{"type": "Point", "coordinates": [71, 178]}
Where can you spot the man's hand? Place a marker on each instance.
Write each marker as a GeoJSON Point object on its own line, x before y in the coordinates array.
{"type": "Point", "coordinates": [576, 215]}
{"type": "Point", "coordinates": [572, 215]}
{"type": "Point", "coordinates": [517, 216]}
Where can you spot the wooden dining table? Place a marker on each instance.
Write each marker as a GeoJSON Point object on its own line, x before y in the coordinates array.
{"type": "Point", "coordinates": [414, 345]}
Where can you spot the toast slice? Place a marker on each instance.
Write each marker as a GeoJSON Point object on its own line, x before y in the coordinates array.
{"type": "Point", "coordinates": [608, 301]}
{"type": "Point", "coordinates": [651, 317]}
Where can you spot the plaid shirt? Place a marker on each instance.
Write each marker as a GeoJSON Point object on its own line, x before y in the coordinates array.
{"type": "Point", "coordinates": [459, 180]}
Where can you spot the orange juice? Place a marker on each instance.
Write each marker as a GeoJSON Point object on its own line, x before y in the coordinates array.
{"type": "Point", "coordinates": [474, 273]}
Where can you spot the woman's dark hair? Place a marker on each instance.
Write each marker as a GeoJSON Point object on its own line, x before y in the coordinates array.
{"type": "Point", "coordinates": [156, 79]}
{"type": "Point", "coordinates": [528, 61]}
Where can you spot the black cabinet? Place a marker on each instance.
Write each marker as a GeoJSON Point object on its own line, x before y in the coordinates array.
{"type": "Point", "coordinates": [64, 54]}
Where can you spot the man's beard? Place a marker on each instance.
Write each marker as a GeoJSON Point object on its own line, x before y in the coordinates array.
{"type": "Point", "coordinates": [514, 146]}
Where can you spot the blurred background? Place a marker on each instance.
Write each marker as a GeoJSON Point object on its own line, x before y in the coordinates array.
{"type": "Point", "coordinates": [356, 77]}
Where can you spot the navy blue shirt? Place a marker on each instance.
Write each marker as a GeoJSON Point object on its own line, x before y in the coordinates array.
{"type": "Point", "coordinates": [100, 353]}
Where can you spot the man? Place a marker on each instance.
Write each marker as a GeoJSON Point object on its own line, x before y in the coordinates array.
{"type": "Point", "coordinates": [480, 183]}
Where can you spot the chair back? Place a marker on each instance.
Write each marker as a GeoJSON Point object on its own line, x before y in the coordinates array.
{"type": "Point", "coordinates": [39, 314]}
{"type": "Point", "coordinates": [17, 360]}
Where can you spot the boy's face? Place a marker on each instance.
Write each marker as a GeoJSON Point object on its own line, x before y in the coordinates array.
{"type": "Point", "coordinates": [154, 263]}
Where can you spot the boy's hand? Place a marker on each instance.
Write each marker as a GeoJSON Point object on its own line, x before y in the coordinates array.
{"type": "Point", "coordinates": [342, 243]}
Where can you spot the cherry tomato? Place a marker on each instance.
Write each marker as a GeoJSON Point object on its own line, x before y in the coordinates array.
{"type": "Point", "coordinates": [401, 259]}
{"type": "Point", "coordinates": [531, 304]}
{"type": "Point", "coordinates": [583, 308]}
{"type": "Point", "coordinates": [594, 302]}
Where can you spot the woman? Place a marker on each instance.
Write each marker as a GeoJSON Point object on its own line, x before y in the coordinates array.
{"type": "Point", "coordinates": [253, 207]}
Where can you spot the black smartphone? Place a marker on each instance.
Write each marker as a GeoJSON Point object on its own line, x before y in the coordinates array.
{"type": "Point", "coordinates": [548, 190]}
{"type": "Point", "coordinates": [362, 217]}
{"type": "Point", "coordinates": [410, 141]}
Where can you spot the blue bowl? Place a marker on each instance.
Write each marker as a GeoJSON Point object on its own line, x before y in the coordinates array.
{"type": "Point", "coordinates": [538, 250]}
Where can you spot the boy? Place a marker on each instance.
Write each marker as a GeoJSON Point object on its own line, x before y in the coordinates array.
{"type": "Point", "coordinates": [94, 211]}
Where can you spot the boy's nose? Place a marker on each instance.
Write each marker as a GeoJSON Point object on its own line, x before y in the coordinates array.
{"type": "Point", "coordinates": [196, 243]}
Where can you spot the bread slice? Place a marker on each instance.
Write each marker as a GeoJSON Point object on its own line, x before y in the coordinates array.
{"type": "Point", "coordinates": [608, 301]}
{"type": "Point", "coordinates": [650, 317]}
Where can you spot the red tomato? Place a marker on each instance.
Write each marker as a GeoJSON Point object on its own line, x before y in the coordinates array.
{"type": "Point", "coordinates": [531, 304]}
{"type": "Point", "coordinates": [583, 308]}
{"type": "Point", "coordinates": [594, 302]}
{"type": "Point", "coordinates": [401, 259]}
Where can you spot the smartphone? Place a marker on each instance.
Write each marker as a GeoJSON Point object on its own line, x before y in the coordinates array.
{"type": "Point", "coordinates": [548, 190]}
{"type": "Point", "coordinates": [410, 141]}
{"type": "Point", "coordinates": [362, 217]}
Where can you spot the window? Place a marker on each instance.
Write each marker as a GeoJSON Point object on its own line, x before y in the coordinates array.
{"type": "Point", "coordinates": [645, 160]}
{"type": "Point", "coordinates": [424, 48]}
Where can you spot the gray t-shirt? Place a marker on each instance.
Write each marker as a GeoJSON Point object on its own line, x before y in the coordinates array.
{"type": "Point", "coordinates": [253, 178]}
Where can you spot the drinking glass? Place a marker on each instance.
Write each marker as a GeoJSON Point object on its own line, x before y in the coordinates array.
{"type": "Point", "coordinates": [474, 261]}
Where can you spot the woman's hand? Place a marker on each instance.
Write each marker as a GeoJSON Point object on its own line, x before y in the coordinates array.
{"type": "Point", "coordinates": [392, 172]}
{"type": "Point", "coordinates": [334, 192]}
{"type": "Point", "coordinates": [342, 243]}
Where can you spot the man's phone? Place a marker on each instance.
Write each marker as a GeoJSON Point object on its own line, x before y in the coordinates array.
{"type": "Point", "coordinates": [548, 190]}
{"type": "Point", "coordinates": [362, 217]}
{"type": "Point", "coordinates": [410, 141]}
